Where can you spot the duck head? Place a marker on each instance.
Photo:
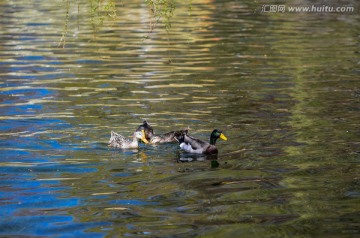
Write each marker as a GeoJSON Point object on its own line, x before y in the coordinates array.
{"type": "Point", "coordinates": [215, 134]}
{"type": "Point", "coordinates": [148, 130]}
{"type": "Point", "coordinates": [141, 136]}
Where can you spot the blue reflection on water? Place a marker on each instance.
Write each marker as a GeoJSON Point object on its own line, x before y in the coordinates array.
{"type": "Point", "coordinates": [31, 57]}
{"type": "Point", "coordinates": [48, 226]}
{"type": "Point", "coordinates": [33, 198]}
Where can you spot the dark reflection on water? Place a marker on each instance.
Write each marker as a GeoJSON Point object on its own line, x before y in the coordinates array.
{"type": "Point", "coordinates": [282, 87]}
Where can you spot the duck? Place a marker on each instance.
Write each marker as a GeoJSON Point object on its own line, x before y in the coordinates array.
{"type": "Point", "coordinates": [197, 146]}
{"type": "Point", "coordinates": [148, 130]}
{"type": "Point", "coordinates": [119, 141]}
{"type": "Point", "coordinates": [159, 139]}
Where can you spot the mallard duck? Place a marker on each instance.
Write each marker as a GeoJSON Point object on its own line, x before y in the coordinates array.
{"type": "Point", "coordinates": [148, 130]}
{"type": "Point", "coordinates": [197, 146]}
{"type": "Point", "coordinates": [167, 137]}
{"type": "Point", "coordinates": [158, 139]}
{"type": "Point", "coordinates": [119, 141]}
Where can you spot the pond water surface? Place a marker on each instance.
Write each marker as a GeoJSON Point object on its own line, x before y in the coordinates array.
{"type": "Point", "coordinates": [283, 87]}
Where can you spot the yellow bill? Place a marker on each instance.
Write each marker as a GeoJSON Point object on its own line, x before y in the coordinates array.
{"type": "Point", "coordinates": [143, 137]}
{"type": "Point", "coordinates": [222, 136]}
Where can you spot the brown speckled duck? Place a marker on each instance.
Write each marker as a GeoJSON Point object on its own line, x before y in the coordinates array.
{"type": "Point", "coordinates": [158, 139]}
{"type": "Point", "coordinates": [119, 141]}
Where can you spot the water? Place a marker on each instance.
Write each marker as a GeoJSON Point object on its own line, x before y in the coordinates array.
{"type": "Point", "coordinates": [284, 88]}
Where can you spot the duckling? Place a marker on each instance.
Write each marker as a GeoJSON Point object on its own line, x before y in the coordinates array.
{"type": "Point", "coordinates": [158, 139]}
{"type": "Point", "coordinates": [119, 141]}
{"type": "Point", "coordinates": [197, 146]}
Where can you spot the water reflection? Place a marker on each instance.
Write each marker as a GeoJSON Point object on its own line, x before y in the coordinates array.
{"type": "Point", "coordinates": [196, 157]}
{"type": "Point", "coordinates": [283, 87]}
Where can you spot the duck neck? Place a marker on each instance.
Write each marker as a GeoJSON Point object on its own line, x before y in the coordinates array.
{"type": "Point", "coordinates": [135, 139]}
{"type": "Point", "coordinates": [212, 140]}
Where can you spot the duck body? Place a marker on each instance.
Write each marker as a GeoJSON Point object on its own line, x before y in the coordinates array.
{"type": "Point", "coordinates": [119, 141]}
{"type": "Point", "coordinates": [197, 146]}
{"type": "Point", "coordinates": [167, 137]}
{"type": "Point", "coordinates": [193, 145]}
{"type": "Point", "coordinates": [159, 139]}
